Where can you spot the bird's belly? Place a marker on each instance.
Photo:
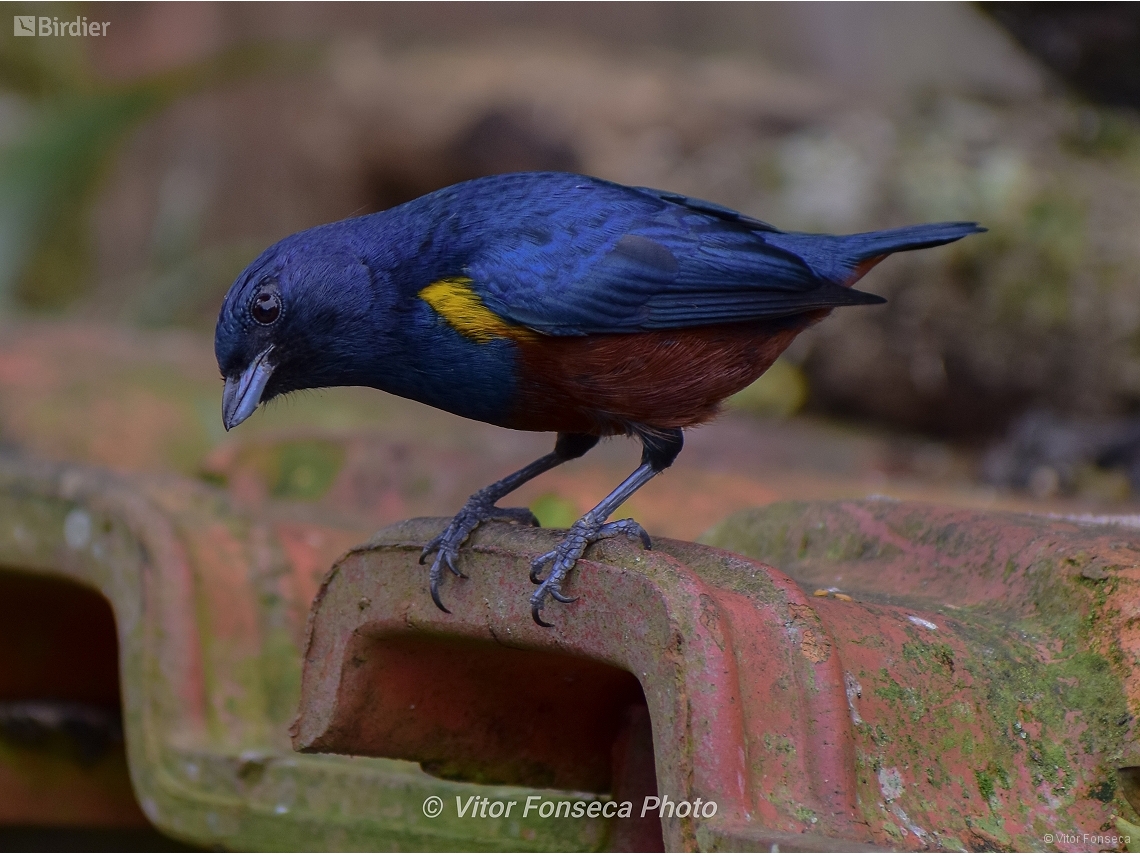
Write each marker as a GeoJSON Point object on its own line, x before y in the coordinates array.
{"type": "Point", "coordinates": [605, 384]}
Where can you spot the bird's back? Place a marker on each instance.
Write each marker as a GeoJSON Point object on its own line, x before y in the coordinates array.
{"type": "Point", "coordinates": [568, 255]}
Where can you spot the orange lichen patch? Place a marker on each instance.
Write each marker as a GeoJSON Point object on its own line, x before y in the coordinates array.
{"type": "Point", "coordinates": [814, 643]}
{"type": "Point", "coordinates": [831, 593]}
{"type": "Point", "coordinates": [815, 647]}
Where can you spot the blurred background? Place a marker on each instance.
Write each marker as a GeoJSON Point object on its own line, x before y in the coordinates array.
{"type": "Point", "coordinates": [141, 170]}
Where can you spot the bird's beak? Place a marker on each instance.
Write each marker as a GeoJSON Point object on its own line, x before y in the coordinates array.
{"type": "Point", "coordinates": [243, 392]}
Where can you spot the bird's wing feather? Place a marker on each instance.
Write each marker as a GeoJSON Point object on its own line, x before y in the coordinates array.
{"type": "Point", "coordinates": [647, 261]}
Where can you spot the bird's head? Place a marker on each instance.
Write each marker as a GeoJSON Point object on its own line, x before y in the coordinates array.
{"type": "Point", "coordinates": [290, 320]}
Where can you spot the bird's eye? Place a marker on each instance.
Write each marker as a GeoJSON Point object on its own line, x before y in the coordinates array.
{"type": "Point", "coordinates": [266, 305]}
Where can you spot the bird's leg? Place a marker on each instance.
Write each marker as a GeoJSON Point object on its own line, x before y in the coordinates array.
{"type": "Point", "coordinates": [481, 507]}
{"type": "Point", "coordinates": [660, 450]}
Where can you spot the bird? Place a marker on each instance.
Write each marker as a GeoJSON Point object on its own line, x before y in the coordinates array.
{"type": "Point", "coordinates": [543, 301]}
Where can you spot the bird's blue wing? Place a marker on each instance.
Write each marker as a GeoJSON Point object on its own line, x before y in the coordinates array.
{"type": "Point", "coordinates": [629, 259]}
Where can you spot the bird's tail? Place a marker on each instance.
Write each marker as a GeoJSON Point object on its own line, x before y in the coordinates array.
{"type": "Point", "coordinates": [844, 259]}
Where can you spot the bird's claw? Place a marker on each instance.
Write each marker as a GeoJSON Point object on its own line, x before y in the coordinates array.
{"type": "Point", "coordinates": [446, 544]}
{"type": "Point", "coordinates": [433, 585]}
{"type": "Point", "coordinates": [445, 555]}
{"type": "Point", "coordinates": [564, 556]}
{"type": "Point", "coordinates": [444, 550]}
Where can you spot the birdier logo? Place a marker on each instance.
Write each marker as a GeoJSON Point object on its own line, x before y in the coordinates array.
{"type": "Point", "coordinates": [30, 25]}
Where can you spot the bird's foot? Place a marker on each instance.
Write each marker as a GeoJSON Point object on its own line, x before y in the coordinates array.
{"type": "Point", "coordinates": [446, 544]}
{"type": "Point", "coordinates": [564, 556]}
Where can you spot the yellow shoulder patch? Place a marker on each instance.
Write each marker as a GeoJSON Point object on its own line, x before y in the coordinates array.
{"type": "Point", "coordinates": [461, 307]}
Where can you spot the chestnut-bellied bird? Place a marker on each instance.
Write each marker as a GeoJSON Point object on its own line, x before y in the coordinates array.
{"type": "Point", "coordinates": [544, 302]}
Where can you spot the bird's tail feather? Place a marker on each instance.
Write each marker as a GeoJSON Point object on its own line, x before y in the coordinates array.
{"type": "Point", "coordinates": [843, 259]}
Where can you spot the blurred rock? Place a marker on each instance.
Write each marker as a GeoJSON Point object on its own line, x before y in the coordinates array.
{"type": "Point", "coordinates": [511, 141]}
{"type": "Point", "coordinates": [1048, 454]}
{"type": "Point", "coordinates": [501, 139]}
{"type": "Point", "coordinates": [1095, 47]}
{"type": "Point", "coordinates": [1042, 311]}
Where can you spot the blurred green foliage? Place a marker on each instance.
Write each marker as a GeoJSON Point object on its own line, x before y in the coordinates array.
{"type": "Point", "coordinates": [61, 128]}
{"type": "Point", "coordinates": [555, 511]}
{"type": "Point", "coordinates": [781, 391]}
{"type": "Point", "coordinates": [306, 469]}
{"type": "Point", "coordinates": [298, 470]}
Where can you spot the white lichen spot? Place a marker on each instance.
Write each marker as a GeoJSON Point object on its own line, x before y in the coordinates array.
{"type": "Point", "coordinates": [916, 830]}
{"type": "Point", "coordinates": [854, 692]}
{"type": "Point", "coordinates": [890, 783]}
{"type": "Point", "coordinates": [77, 528]}
{"type": "Point", "coordinates": [281, 809]}
{"type": "Point", "coordinates": [925, 624]}
{"type": "Point", "coordinates": [1045, 792]}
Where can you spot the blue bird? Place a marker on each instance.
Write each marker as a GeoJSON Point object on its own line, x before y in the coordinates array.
{"type": "Point", "coordinates": [544, 302]}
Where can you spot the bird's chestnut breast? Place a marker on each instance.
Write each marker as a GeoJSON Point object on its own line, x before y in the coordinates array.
{"type": "Point", "coordinates": [604, 384]}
